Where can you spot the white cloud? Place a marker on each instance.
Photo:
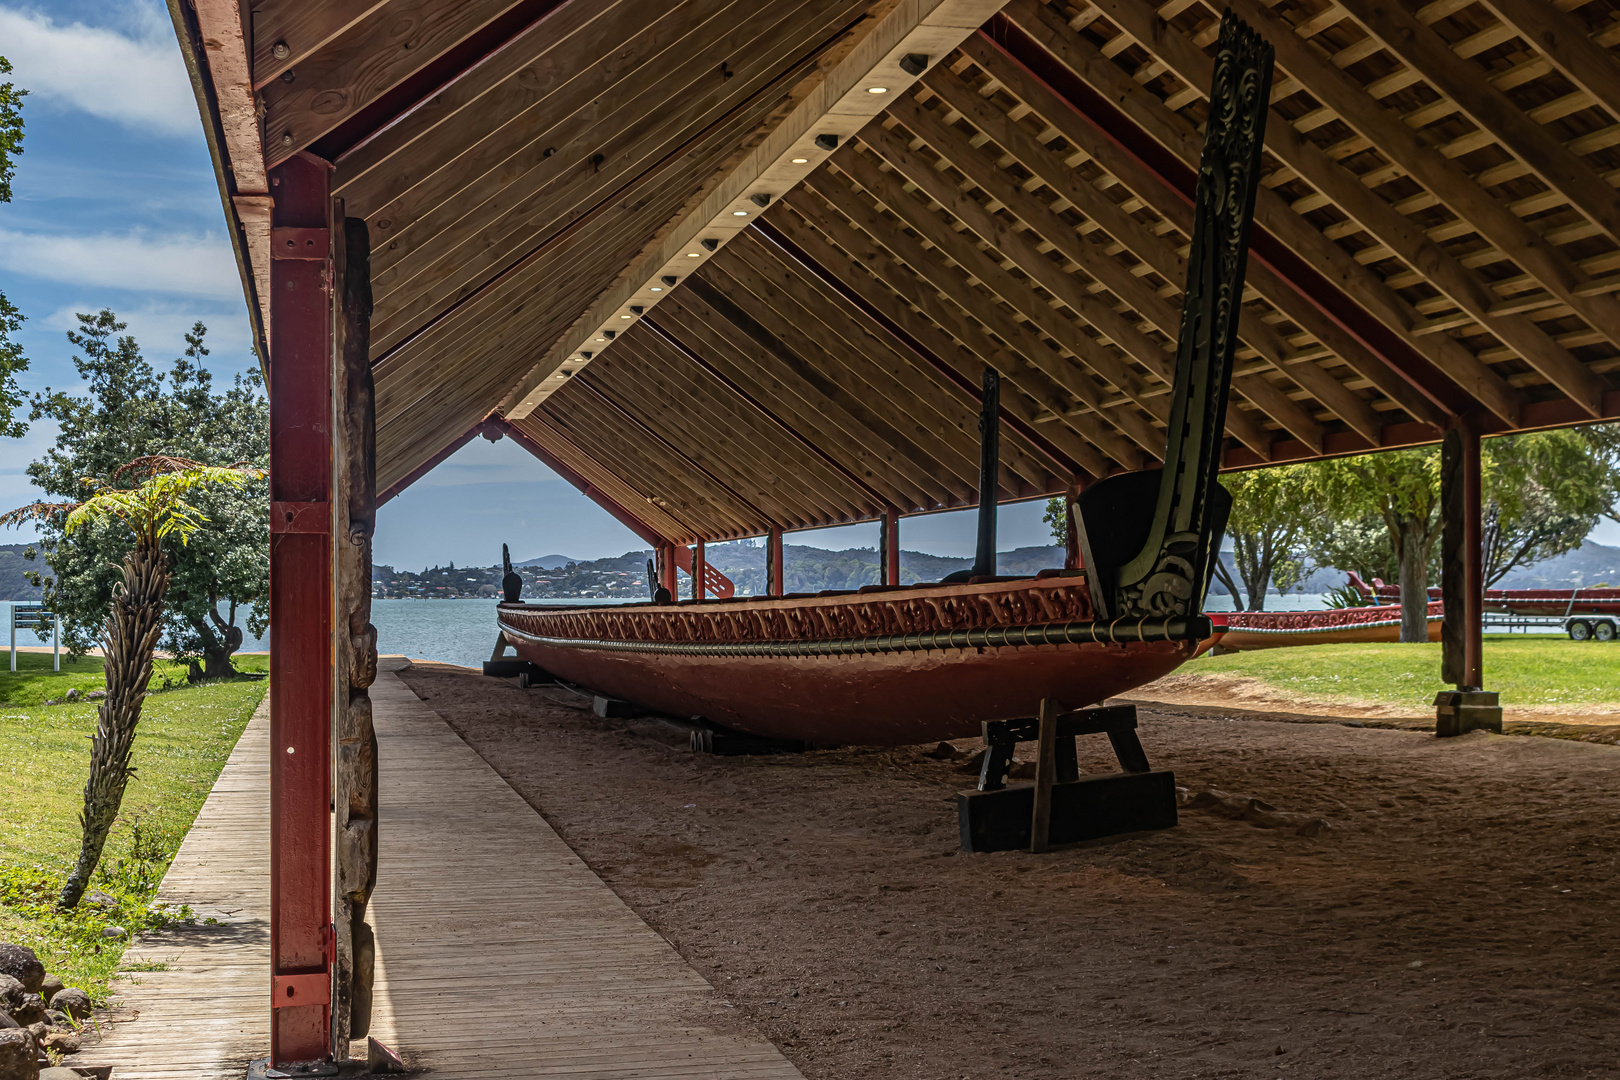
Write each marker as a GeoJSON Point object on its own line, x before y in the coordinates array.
{"type": "Point", "coordinates": [139, 82]}
{"type": "Point", "coordinates": [195, 265]}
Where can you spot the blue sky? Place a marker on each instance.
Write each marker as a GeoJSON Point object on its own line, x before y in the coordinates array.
{"type": "Point", "coordinates": [116, 206]}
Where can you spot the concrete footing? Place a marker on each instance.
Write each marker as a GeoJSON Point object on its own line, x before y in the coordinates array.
{"type": "Point", "coordinates": [1457, 712]}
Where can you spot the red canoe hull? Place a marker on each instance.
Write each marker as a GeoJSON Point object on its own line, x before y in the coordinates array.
{"type": "Point", "coordinates": [1249, 630]}
{"type": "Point", "coordinates": [866, 695]}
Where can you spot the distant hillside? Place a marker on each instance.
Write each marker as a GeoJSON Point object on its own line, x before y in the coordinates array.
{"type": "Point", "coordinates": [13, 586]}
{"type": "Point", "coordinates": [548, 562]}
{"type": "Point", "coordinates": [1590, 564]}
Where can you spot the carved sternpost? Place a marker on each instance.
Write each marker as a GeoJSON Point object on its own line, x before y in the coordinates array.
{"type": "Point", "coordinates": [354, 508]}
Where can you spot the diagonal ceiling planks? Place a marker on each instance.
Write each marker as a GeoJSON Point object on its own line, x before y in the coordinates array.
{"type": "Point", "coordinates": [616, 224]}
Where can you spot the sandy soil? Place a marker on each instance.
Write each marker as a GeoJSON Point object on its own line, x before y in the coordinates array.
{"type": "Point", "coordinates": [1457, 919]}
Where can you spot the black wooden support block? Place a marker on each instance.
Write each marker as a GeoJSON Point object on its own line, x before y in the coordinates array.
{"type": "Point", "coordinates": [511, 668]}
{"type": "Point", "coordinates": [1457, 712]}
{"type": "Point", "coordinates": [1084, 809]}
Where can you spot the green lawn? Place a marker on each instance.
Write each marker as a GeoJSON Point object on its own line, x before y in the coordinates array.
{"type": "Point", "coordinates": [1525, 670]}
{"type": "Point", "coordinates": [186, 734]}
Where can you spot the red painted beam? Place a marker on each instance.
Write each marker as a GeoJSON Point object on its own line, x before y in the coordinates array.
{"type": "Point", "coordinates": [1112, 123]}
{"type": "Point", "coordinates": [619, 513]}
{"type": "Point", "coordinates": [300, 603]}
{"type": "Point", "coordinates": [427, 466]}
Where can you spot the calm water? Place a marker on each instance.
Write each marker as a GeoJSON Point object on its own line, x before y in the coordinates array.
{"type": "Point", "coordinates": [451, 631]}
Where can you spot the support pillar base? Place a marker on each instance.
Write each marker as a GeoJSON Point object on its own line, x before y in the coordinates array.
{"type": "Point", "coordinates": [1457, 712]}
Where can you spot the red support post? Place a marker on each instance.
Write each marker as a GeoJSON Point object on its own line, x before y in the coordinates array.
{"type": "Point", "coordinates": [1474, 551]}
{"type": "Point", "coordinates": [301, 611]}
{"type": "Point", "coordinates": [773, 563]}
{"type": "Point", "coordinates": [700, 564]}
{"type": "Point", "coordinates": [889, 547]}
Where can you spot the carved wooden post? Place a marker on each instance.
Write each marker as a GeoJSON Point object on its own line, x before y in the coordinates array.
{"type": "Point", "coordinates": [700, 564]}
{"type": "Point", "coordinates": [1072, 559]}
{"type": "Point", "coordinates": [354, 462]}
{"type": "Point", "coordinates": [1462, 587]}
{"type": "Point", "coordinates": [775, 578]}
{"type": "Point", "coordinates": [889, 548]}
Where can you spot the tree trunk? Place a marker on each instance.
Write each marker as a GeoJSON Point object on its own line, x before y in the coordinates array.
{"type": "Point", "coordinates": [1414, 556]}
{"type": "Point", "coordinates": [127, 642]}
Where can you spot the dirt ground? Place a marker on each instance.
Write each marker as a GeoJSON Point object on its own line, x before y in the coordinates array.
{"type": "Point", "coordinates": [1457, 918]}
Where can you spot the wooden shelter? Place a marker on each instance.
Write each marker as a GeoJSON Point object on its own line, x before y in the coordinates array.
{"type": "Point", "coordinates": [736, 268]}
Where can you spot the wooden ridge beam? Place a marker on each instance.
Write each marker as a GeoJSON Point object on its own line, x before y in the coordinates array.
{"type": "Point", "coordinates": [1404, 237]}
{"type": "Point", "coordinates": [836, 107]}
{"type": "Point", "coordinates": [1465, 84]}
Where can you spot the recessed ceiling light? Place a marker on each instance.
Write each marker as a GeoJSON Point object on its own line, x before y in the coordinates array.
{"type": "Point", "coordinates": [877, 89]}
{"type": "Point", "coordinates": [624, 316]}
{"type": "Point", "coordinates": [656, 288]}
{"type": "Point", "coordinates": [739, 213]}
{"type": "Point", "coordinates": [801, 161]}
{"type": "Point", "coordinates": [693, 255]}
{"type": "Point", "coordinates": [601, 339]}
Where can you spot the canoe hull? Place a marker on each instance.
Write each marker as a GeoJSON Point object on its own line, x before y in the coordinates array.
{"type": "Point", "coordinates": [1249, 630]}
{"type": "Point", "coordinates": [878, 667]}
{"type": "Point", "coordinates": [875, 700]}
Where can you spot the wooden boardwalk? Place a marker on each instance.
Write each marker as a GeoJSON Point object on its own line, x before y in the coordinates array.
{"type": "Point", "coordinates": [500, 954]}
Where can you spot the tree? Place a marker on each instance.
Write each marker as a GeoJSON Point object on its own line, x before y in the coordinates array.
{"type": "Point", "coordinates": [1544, 492]}
{"type": "Point", "coordinates": [131, 411]}
{"type": "Point", "coordinates": [1056, 518]}
{"type": "Point", "coordinates": [155, 513]}
{"type": "Point", "coordinates": [1401, 488]}
{"type": "Point", "coordinates": [1273, 512]}
{"type": "Point", "coordinates": [12, 359]}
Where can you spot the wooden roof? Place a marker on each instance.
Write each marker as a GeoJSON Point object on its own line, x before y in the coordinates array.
{"type": "Point", "coordinates": [612, 226]}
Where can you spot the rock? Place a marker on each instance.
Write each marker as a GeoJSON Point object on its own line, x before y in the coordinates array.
{"type": "Point", "coordinates": [72, 694]}
{"type": "Point", "coordinates": [51, 986]}
{"type": "Point", "coordinates": [73, 1001]}
{"type": "Point", "coordinates": [6, 1022]}
{"type": "Point", "coordinates": [18, 1055]}
{"type": "Point", "coordinates": [113, 931]}
{"type": "Point", "coordinates": [31, 1011]}
{"type": "Point", "coordinates": [11, 993]}
{"type": "Point", "coordinates": [53, 701]}
{"type": "Point", "coordinates": [95, 695]}
{"type": "Point", "coordinates": [59, 1072]}
{"type": "Point", "coordinates": [944, 752]}
{"type": "Point", "coordinates": [21, 964]}
{"type": "Point", "coordinates": [101, 900]}
{"type": "Point", "coordinates": [63, 1042]}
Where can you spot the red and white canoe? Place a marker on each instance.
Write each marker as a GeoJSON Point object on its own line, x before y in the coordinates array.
{"type": "Point", "coordinates": [1243, 631]}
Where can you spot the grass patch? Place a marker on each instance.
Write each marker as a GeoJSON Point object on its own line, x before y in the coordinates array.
{"type": "Point", "coordinates": [186, 734]}
{"type": "Point", "coordinates": [1541, 670]}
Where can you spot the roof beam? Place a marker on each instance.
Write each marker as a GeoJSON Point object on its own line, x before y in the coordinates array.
{"type": "Point", "coordinates": [1465, 83]}
{"type": "Point", "coordinates": [288, 32]}
{"type": "Point", "coordinates": [1401, 234]}
{"type": "Point", "coordinates": [615, 509]}
{"type": "Point", "coordinates": [837, 106]}
{"type": "Point", "coordinates": [1566, 42]}
{"type": "Point", "coordinates": [1101, 92]}
{"type": "Point", "coordinates": [1445, 178]}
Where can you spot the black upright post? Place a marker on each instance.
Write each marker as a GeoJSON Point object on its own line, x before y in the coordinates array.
{"type": "Point", "coordinates": [984, 563]}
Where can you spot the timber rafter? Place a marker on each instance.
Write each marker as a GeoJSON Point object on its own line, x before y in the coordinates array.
{"type": "Point", "coordinates": [728, 291]}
